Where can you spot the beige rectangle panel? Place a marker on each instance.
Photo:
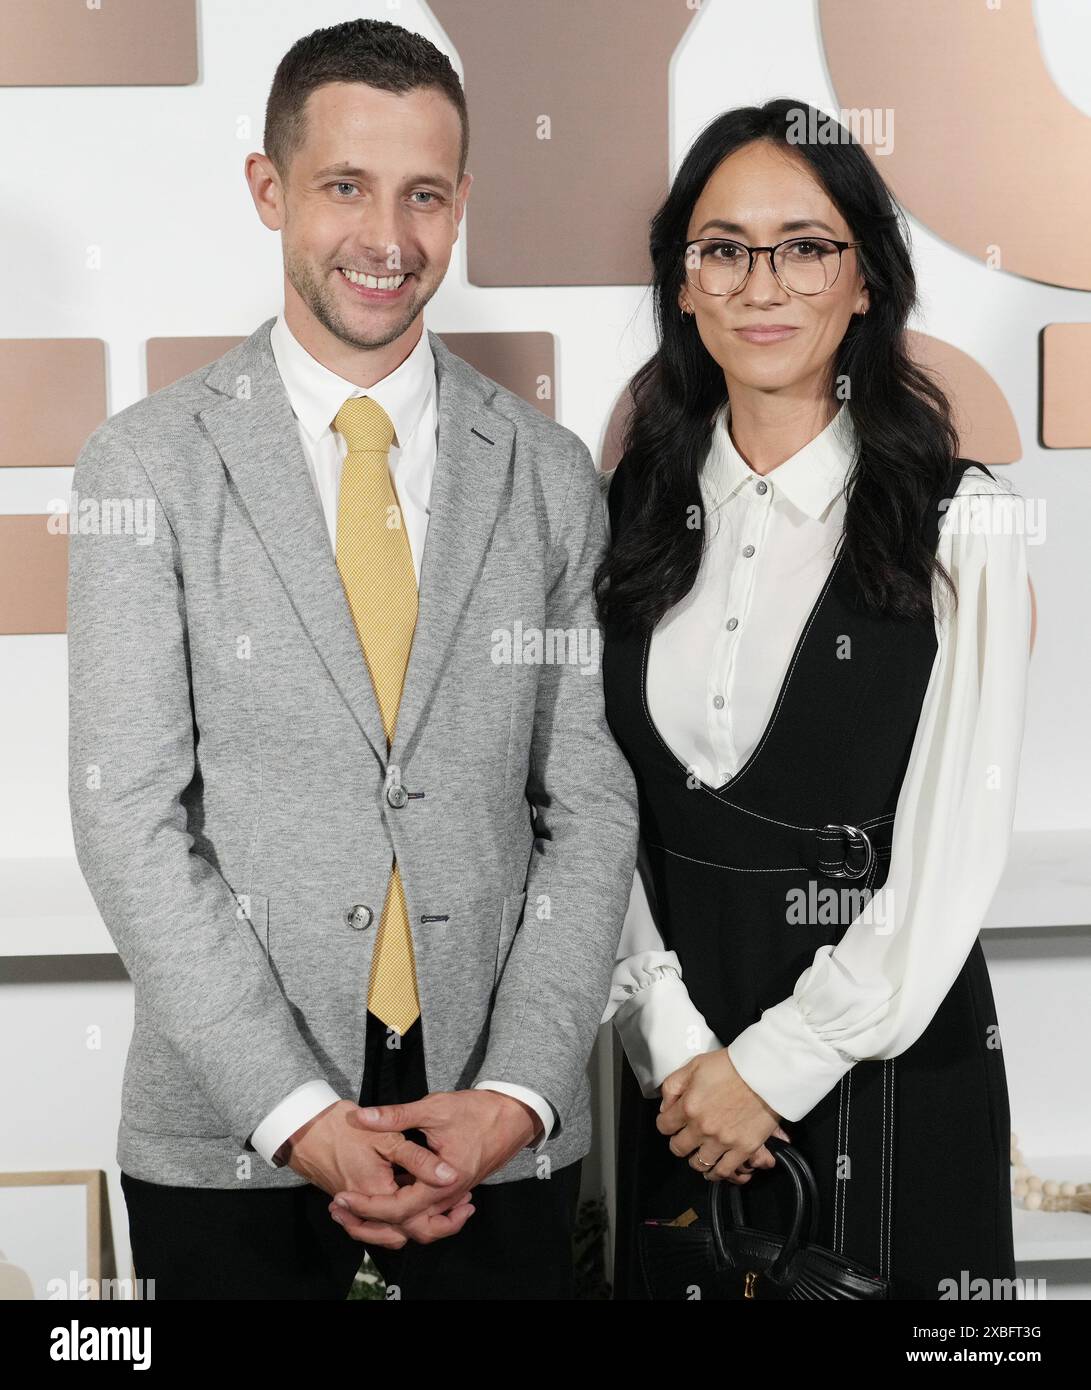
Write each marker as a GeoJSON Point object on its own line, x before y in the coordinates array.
{"type": "Point", "coordinates": [52, 396]}
{"type": "Point", "coordinates": [170, 359]}
{"type": "Point", "coordinates": [522, 362]}
{"type": "Point", "coordinates": [33, 575]}
{"type": "Point", "coordinates": [568, 134]}
{"type": "Point", "coordinates": [1066, 376]}
{"type": "Point", "coordinates": [66, 43]}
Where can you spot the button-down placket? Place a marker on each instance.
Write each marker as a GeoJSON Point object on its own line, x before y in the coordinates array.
{"type": "Point", "coordinates": [745, 517]}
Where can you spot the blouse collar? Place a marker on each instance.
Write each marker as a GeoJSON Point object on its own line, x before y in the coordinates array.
{"type": "Point", "coordinates": [810, 479]}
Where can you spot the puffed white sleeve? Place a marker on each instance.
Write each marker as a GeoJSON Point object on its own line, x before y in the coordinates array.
{"type": "Point", "coordinates": [874, 993]}
{"type": "Point", "coordinates": [659, 1025]}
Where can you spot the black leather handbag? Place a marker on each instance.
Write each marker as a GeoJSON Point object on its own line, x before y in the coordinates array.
{"type": "Point", "coordinates": [725, 1258]}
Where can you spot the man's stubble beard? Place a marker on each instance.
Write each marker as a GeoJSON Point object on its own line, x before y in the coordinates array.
{"type": "Point", "coordinates": [318, 295]}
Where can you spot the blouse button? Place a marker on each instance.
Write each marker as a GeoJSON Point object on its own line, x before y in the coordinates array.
{"type": "Point", "coordinates": [718, 701]}
{"type": "Point", "coordinates": [748, 550]}
{"type": "Point", "coordinates": [763, 487]}
{"type": "Point", "coordinates": [732, 624]}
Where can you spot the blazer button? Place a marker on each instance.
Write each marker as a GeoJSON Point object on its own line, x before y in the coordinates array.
{"type": "Point", "coordinates": [397, 795]}
{"type": "Point", "coordinates": [359, 916]}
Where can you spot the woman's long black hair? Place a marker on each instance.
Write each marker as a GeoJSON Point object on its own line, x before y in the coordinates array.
{"type": "Point", "coordinates": [902, 418]}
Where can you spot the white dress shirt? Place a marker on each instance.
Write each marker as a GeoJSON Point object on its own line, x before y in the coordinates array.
{"type": "Point", "coordinates": [408, 395]}
{"type": "Point", "coordinates": [716, 664]}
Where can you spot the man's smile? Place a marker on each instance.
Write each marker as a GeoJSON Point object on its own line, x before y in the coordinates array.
{"type": "Point", "coordinates": [374, 287]}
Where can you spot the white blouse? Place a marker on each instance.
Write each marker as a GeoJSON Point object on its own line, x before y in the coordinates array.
{"type": "Point", "coordinates": [716, 664]}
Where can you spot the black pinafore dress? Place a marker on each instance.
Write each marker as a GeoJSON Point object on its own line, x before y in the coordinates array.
{"type": "Point", "coordinates": [911, 1153]}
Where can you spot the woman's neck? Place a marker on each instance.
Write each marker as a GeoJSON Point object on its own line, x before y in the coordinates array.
{"type": "Point", "coordinates": [768, 429]}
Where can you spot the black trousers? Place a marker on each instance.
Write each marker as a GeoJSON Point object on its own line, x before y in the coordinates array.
{"type": "Point", "coordinates": [282, 1243]}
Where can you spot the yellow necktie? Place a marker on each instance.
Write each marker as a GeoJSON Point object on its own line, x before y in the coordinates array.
{"type": "Point", "coordinates": [376, 567]}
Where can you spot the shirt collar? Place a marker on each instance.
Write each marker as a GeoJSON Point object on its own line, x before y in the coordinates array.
{"type": "Point", "coordinates": [316, 394]}
{"type": "Point", "coordinates": [810, 479]}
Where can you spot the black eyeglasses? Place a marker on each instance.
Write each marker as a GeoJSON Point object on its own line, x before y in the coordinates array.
{"type": "Point", "coordinates": [803, 265]}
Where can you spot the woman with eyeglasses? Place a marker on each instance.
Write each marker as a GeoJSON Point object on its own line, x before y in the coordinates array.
{"type": "Point", "coordinates": [817, 622]}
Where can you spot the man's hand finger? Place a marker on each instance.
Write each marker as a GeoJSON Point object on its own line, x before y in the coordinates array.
{"type": "Point", "coordinates": [444, 1204]}
{"type": "Point", "coordinates": [370, 1232]}
{"type": "Point", "coordinates": [425, 1165]}
{"type": "Point", "coordinates": [399, 1207]}
{"type": "Point", "coordinates": [410, 1115]}
{"type": "Point", "coordinates": [433, 1226]}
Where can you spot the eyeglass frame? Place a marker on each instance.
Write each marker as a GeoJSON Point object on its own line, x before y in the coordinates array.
{"type": "Point", "coordinates": [752, 251]}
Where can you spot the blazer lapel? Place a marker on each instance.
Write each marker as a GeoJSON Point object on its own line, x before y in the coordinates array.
{"type": "Point", "coordinates": [473, 459]}
{"type": "Point", "coordinates": [255, 431]}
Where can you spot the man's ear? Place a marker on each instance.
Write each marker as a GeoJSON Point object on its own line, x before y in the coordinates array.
{"type": "Point", "coordinates": [462, 193]}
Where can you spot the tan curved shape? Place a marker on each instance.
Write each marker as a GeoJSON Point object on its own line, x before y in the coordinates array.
{"type": "Point", "coordinates": [986, 426]}
{"type": "Point", "coordinates": [987, 151]}
{"type": "Point", "coordinates": [987, 430]}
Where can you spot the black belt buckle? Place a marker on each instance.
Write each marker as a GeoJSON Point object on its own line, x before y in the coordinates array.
{"type": "Point", "coordinates": [862, 842]}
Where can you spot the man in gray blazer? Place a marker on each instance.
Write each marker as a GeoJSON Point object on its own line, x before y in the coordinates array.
{"type": "Point", "coordinates": [348, 802]}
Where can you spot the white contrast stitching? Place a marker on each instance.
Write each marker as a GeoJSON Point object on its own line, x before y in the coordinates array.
{"type": "Point", "coordinates": [845, 1150]}
{"type": "Point", "coordinates": [889, 1070]}
{"type": "Point", "coordinates": [848, 1107]}
{"type": "Point", "coordinates": [791, 869]}
{"type": "Point", "coordinates": [838, 1183]}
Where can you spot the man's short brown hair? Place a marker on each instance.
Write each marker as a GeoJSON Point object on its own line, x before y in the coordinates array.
{"type": "Point", "coordinates": [373, 51]}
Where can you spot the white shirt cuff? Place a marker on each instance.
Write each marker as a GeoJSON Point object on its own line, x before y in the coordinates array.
{"type": "Point", "coordinates": [661, 1030]}
{"type": "Point", "coordinates": [299, 1106]}
{"type": "Point", "coordinates": [786, 1062]}
{"type": "Point", "coordinates": [541, 1107]}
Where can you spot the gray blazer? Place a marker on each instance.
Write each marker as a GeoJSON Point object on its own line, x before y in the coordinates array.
{"type": "Point", "coordinates": [233, 805]}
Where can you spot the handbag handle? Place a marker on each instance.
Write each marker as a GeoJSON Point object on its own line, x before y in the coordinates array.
{"type": "Point", "coordinates": [806, 1208]}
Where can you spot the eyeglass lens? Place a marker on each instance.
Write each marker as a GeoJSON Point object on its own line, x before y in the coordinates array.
{"type": "Point", "coordinates": [807, 265]}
